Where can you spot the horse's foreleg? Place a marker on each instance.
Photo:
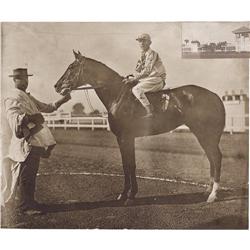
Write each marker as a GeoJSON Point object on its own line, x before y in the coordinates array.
{"type": "Point", "coordinates": [127, 149]}
{"type": "Point", "coordinates": [124, 194]}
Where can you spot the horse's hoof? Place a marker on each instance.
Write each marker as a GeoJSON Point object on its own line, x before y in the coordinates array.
{"type": "Point", "coordinates": [122, 197]}
{"type": "Point", "coordinates": [211, 198]}
{"type": "Point", "coordinates": [129, 202]}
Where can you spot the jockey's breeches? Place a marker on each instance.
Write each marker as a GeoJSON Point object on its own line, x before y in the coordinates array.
{"type": "Point", "coordinates": [150, 84]}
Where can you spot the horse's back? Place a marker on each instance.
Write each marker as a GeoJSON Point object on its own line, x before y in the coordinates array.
{"type": "Point", "coordinates": [206, 108]}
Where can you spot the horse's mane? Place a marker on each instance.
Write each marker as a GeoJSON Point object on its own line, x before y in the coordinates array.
{"type": "Point", "coordinates": [104, 65]}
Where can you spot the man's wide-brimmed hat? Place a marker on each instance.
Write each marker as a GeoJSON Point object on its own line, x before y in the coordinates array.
{"type": "Point", "coordinates": [20, 72]}
{"type": "Point", "coordinates": [143, 36]}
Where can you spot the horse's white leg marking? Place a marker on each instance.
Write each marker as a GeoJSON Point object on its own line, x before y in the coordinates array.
{"type": "Point", "coordinates": [210, 187]}
{"type": "Point", "coordinates": [213, 196]}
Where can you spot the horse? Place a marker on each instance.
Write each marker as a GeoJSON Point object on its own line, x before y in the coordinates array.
{"type": "Point", "coordinates": [201, 110]}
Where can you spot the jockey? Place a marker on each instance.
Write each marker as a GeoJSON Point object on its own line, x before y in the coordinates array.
{"type": "Point", "coordinates": [150, 73]}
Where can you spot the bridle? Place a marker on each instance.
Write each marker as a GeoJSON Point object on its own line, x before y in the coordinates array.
{"type": "Point", "coordinates": [81, 66]}
{"type": "Point", "coordinates": [85, 88]}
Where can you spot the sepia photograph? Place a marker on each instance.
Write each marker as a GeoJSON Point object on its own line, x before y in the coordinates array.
{"type": "Point", "coordinates": [125, 125]}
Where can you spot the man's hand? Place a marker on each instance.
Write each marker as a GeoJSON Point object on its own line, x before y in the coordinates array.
{"type": "Point", "coordinates": [63, 100]}
{"type": "Point", "coordinates": [66, 98]}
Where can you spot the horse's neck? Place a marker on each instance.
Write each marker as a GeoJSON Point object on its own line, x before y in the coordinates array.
{"type": "Point", "coordinates": [107, 83]}
{"type": "Point", "coordinates": [109, 93]}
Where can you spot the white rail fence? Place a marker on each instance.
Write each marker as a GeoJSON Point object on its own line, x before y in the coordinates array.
{"type": "Point", "coordinates": [78, 122]}
{"type": "Point", "coordinates": [233, 123]}
{"type": "Point", "coordinates": [237, 123]}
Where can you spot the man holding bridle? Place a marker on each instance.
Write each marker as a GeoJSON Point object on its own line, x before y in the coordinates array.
{"type": "Point", "coordinates": [31, 140]}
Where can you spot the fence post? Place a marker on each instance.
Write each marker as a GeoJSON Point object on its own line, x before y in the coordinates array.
{"type": "Point", "coordinates": [108, 127]}
{"type": "Point", "coordinates": [232, 125]}
{"type": "Point", "coordinates": [78, 124]}
{"type": "Point", "coordinates": [246, 122]}
{"type": "Point", "coordinates": [65, 127]}
{"type": "Point", "coordinates": [92, 124]}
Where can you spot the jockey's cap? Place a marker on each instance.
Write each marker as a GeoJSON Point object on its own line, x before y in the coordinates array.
{"type": "Point", "coordinates": [144, 36]}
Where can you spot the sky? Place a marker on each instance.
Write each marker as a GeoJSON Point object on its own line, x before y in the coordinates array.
{"type": "Point", "coordinates": [46, 49]}
{"type": "Point", "coordinates": [207, 32]}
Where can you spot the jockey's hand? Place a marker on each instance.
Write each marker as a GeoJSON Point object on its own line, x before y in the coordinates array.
{"type": "Point", "coordinates": [129, 76]}
{"type": "Point", "coordinates": [128, 80]}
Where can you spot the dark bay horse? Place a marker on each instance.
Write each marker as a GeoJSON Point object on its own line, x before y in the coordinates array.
{"type": "Point", "coordinates": [198, 108]}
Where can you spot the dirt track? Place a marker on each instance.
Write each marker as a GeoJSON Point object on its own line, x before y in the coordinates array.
{"type": "Point", "coordinates": [88, 201]}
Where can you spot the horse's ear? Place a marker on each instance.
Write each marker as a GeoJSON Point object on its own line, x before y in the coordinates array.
{"type": "Point", "coordinates": [79, 53]}
{"type": "Point", "coordinates": [75, 54]}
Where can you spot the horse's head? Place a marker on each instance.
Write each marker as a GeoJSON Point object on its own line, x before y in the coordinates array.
{"type": "Point", "coordinates": [73, 77]}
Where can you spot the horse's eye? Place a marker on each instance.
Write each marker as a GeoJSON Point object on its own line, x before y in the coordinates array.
{"type": "Point", "coordinates": [71, 66]}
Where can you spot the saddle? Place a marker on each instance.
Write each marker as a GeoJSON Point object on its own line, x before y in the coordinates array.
{"type": "Point", "coordinates": [127, 104]}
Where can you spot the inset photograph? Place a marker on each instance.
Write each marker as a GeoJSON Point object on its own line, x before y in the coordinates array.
{"type": "Point", "coordinates": [216, 40]}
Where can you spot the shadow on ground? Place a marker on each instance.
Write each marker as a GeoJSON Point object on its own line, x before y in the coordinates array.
{"type": "Point", "coordinates": [188, 198]}
{"type": "Point", "coordinates": [234, 221]}
{"type": "Point", "coordinates": [185, 198]}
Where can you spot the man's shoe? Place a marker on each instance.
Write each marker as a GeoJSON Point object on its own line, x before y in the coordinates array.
{"type": "Point", "coordinates": [31, 212]}
{"type": "Point", "coordinates": [34, 208]}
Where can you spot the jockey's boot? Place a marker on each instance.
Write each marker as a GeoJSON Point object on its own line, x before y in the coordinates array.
{"type": "Point", "coordinates": [149, 109]}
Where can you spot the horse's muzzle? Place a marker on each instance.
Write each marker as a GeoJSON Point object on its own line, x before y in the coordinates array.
{"type": "Point", "coordinates": [65, 91]}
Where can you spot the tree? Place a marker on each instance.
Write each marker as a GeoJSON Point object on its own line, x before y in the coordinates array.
{"type": "Point", "coordinates": [95, 112]}
{"type": "Point", "coordinates": [221, 45]}
{"type": "Point", "coordinates": [78, 109]}
{"type": "Point", "coordinates": [196, 41]}
{"type": "Point", "coordinates": [212, 47]}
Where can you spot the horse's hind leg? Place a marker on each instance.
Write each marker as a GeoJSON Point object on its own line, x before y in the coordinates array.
{"type": "Point", "coordinates": [214, 157]}
{"type": "Point", "coordinates": [210, 144]}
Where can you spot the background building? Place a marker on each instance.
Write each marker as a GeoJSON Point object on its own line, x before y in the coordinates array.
{"type": "Point", "coordinates": [237, 111]}
{"type": "Point", "coordinates": [242, 39]}
{"type": "Point", "coordinates": [241, 44]}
